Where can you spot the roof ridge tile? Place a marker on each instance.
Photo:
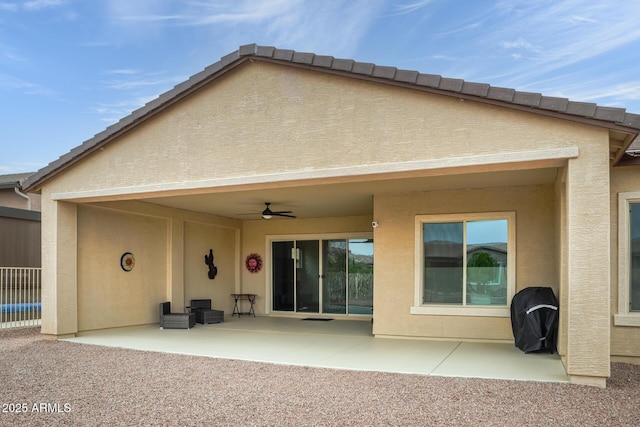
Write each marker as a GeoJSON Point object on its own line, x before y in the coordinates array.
{"type": "Point", "coordinates": [406, 76]}
{"type": "Point", "coordinates": [583, 109]}
{"type": "Point", "coordinates": [363, 68]}
{"type": "Point", "coordinates": [342, 64]}
{"type": "Point", "coordinates": [611, 114]}
{"type": "Point", "coordinates": [322, 61]}
{"type": "Point", "coordinates": [451, 85]}
{"type": "Point", "coordinates": [553, 104]}
{"type": "Point", "coordinates": [476, 89]}
{"type": "Point", "coordinates": [266, 51]}
{"type": "Point", "coordinates": [283, 54]}
{"type": "Point", "coordinates": [530, 99]}
{"type": "Point", "coordinates": [302, 58]}
{"type": "Point", "coordinates": [428, 80]}
{"type": "Point", "coordinates": [248, 49]}
{"type": "Point", "coordinates": [383, 72]}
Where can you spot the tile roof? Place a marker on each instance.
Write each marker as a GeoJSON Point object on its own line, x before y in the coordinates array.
{"type": "Point", "coordinates": [13, 180]}
{"type": "Point", "coordinates": [608, 117]}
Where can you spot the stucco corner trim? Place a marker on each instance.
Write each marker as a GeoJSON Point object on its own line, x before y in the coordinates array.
{"type": "Point", "coordinates": [626, 320]}
{"type": "Point", "coordinates": [461, 311]}
{"type": "Point", "coordinates": [594, 381]}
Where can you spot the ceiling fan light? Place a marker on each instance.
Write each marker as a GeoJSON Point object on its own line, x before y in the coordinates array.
{"type": "Point", "coordinates": [266, 216]}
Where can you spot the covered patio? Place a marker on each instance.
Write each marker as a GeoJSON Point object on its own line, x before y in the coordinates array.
{"type": "Point", "coordinates": [335, 344]}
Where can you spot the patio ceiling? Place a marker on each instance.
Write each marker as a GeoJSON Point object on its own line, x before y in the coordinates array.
{"type": "Point", "coordinates": [309, 200]}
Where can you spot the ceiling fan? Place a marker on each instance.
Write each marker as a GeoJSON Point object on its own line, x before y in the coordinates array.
{"type": "Point", "coordinates": [268, 213]}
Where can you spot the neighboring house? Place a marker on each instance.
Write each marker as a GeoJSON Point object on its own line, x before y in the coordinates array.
{"type": "Point", "coordinates": [363, 156]}
{"type": "Point", "coordinates": [12, 196]}
{"type": "Point", "coordinates": [19, 224]}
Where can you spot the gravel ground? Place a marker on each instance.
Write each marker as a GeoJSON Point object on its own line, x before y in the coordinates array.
{"type": "Point", "coordinates": [62, 383]}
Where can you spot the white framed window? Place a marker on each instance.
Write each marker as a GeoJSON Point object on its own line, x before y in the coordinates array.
{"type": "Point", "coordinates": [465, 264]}
{"type": "Point", "coordinates": [628, 260]}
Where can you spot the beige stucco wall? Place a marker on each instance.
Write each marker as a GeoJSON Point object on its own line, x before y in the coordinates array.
{"type": "Point", "coordinates": [59, 267]}
{"type": "Point", "coordinates": [625, 340]}
{"type": "Point", "coordinates": [269, 119]}
{"type": "Point", "coordinates": [109, 296]}
{"type": "Point", "coordinates": [395, 246]}
{"type": "Point", "coordinates": [199, 238]}
{"type": "Point", "coordinates": [588, 282]}
{"type": "Point", "coordinates": [169, 247]}
{"type": "Point", "coordinates": [10, 199]}
{"type": "Point", "coordinates": [561, 257]}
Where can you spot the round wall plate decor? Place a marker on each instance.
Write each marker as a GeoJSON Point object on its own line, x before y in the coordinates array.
{"type": "Point", "coordinates": [253, 262]}
{"type": "Point", "coordinates": [127, 261]}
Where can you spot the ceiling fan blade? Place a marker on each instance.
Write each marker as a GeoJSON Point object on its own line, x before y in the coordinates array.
{"type": "Point", "coordinates": [283, 214]}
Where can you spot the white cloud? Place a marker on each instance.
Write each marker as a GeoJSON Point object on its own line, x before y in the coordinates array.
{"type": "Point", "coordinates": [9, 7]}
{"type": "Point", "coordinates": [37, 5]}
{"type": "Point", "coordinates": [11, 83]}
{"type": "Point", "coordinates": [122, 71]}
{"type": "Point", "coordinates": [561, 35]}
{"type": "Point", "coordinates": [405, 8]}
{"type": "Point", "coordinates": [130, 79]}
{"type": "Point", "coordinates": [581, 19]}
{"type": "Point", "coordinates": [8, 54]}
{"type": "Point", "coordinates": [322, 26]}
{"type": "Point", "coordinates": [520, 43]}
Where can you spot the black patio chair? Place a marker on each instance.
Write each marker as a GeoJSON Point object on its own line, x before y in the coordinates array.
{"type": "Point", "coordinates": [204, 313]}
{"type": "Point", "coordinates": [169, 320]}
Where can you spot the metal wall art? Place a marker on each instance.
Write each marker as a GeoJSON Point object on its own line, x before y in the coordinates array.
{"type": "Point", "coordinates": [253, 263]}
{"type": "Point", "coordinates": [213, 270]}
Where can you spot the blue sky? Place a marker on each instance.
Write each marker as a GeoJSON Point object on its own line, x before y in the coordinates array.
{"type": "Point", "coordinates": [70, 68]}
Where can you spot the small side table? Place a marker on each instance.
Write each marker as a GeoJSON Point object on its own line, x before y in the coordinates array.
{"type": "Point", "coordinates": [244, 297]}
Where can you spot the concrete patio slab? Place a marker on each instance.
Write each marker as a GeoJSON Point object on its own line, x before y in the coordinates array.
{"type": "Point", "coordinates": [337, 344]}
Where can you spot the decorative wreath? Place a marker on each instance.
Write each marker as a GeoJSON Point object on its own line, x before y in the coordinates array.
{"type": "Point", "coordinates": [253, 263]}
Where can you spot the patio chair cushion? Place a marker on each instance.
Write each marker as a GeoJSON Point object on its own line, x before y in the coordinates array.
{"type": "Point", "coordinates": [170, 320]}
{"type": "Point", "coordinates": [204, 313]}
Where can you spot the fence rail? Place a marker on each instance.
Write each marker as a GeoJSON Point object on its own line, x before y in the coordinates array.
{"type": "Point", "coordinates": [20, 297]}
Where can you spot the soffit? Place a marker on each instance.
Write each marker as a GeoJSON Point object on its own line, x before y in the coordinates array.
{"type": "Point", "coordinates": [343, 199]}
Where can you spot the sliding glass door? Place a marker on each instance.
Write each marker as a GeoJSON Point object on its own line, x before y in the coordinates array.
{"type": "Point", "coordinates": [307, 273]}
{"type": "Point", "coordinates": [283, 270]}
{"type": "Point", "coordinates": [332, 276]}
{"type": "Point", "coordinates": [334, 295]}
{"type": "Point", "coordinates": [360, 274]}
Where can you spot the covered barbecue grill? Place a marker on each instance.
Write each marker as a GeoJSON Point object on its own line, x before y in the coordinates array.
{"type": "Point", "coordinates": [534, 319]}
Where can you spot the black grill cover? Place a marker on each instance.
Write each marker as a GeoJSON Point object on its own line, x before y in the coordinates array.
{"type": "Point", "coordinates": [534, 319]}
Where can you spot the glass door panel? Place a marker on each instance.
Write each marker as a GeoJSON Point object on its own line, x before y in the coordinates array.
{"type": "Point", "coordinates": [307, 254]}
{"type": "Point", "coordinates": [283, 276]}
{"type": "Point", "coordinates": [361, 276]}
{"type": "Point", "coordinates": [334, 273]}
{"type": "Point", "coordinates": [323, 276]}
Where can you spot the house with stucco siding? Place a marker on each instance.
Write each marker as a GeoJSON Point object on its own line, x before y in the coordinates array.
{"type": "Point", "coordinates": [367, 164]}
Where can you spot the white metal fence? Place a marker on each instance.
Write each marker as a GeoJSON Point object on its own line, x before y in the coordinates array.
{"type": "Point", "coordinates": [20, 297]}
